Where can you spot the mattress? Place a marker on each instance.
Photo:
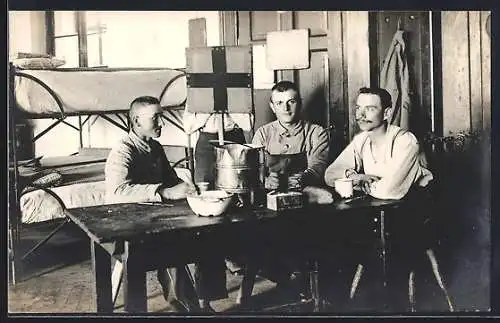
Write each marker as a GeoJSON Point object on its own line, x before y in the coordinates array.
{"type": "Point", "coordinates": [38, 205]}
{"type": "Point", "coordinates": [91, 91]}
{"type": "Point", "coordinates": [74, 169]}
{"type": "Point", "coordinates": [82, 185]}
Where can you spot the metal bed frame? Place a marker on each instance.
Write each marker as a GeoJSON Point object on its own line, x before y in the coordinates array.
{"type": "Point", "coordinates": [14, 114]}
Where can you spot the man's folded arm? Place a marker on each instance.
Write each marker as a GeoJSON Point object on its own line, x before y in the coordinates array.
{"type": "Point", "coordinates": [346, 161]}
{"type": "Point", "coordinates": [119, 184]}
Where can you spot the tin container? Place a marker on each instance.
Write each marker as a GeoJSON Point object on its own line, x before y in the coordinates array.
{"type": "Point", "coordinates": [239, 168]}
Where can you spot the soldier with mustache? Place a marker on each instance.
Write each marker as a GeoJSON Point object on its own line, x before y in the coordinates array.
{"type": "Point", "coordinates": [383, 160]}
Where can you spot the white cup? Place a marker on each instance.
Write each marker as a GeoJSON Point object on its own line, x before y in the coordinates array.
{"type": "Point", "coordinates": [343, 186]}
{"type": "Point", "coordinates": [203, 186]}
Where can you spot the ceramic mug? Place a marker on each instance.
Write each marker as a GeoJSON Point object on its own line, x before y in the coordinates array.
{"type": "Point", "coordinates": [203, 186]}
{"type": "Point", "coordinates": [344, 187]}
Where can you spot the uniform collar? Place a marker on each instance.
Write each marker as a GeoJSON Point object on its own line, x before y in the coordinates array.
{"type": "Point", "coordinates": [140, 143]}
{"type": "Point", "coordinates": [292, 131]}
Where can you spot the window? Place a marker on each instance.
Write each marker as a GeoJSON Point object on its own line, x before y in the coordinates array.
{"type": "Point", "coordinates": [125, 38]}
{"type": "Point", "coordinates": [76, 37]}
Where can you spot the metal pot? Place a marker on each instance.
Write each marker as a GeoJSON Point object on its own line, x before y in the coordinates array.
{"type": "Point", "coordinates": [239, 168]}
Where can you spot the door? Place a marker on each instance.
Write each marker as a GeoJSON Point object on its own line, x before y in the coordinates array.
{"type": "Point", "coordinates": [312, 82]}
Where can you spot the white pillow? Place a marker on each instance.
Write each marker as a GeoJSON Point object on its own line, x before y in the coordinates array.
{"type": "Point", "coordinates": [38, 62]}
{"type": "Point", "coordinates": [32, 55]}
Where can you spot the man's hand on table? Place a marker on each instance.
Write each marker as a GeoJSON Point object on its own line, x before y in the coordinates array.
{"type": "Point", "coordinates": [177, 192]}
{"type": "Point", "coordinates": [294, 181]}
{"type": "Point", "coordinates": [318, 195]}
{"type": "Point", "coordinates": [272, 181]}
{"type": "Point", "coordinates": [362, 182]}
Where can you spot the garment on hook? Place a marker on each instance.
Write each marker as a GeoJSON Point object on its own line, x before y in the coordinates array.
{"type": "Point", "coordinates": [394, 77]}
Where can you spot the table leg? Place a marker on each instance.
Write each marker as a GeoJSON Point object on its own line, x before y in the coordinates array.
{"type": "Point", "coordinates": [247, 284]}
{"type": "Point", "coordinates": [101, 266]}
{"type": "Point", "coordinates": [314, 284]}
{"type": "Point", "coordinates": [383, 255]}
{"type": "Point", "coordinates": [15, 264]}
{"type": "Point", "coordinates": [116, 279]}
{"type": "Point", "coordinates": [134, 282]}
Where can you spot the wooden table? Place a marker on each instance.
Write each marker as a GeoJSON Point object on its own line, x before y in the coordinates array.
{"type": "Point", "coordinates": [145, 237]}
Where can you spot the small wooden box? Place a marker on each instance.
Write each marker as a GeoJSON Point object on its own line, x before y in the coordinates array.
{"type": "Point", "coordinates": [285, 201]}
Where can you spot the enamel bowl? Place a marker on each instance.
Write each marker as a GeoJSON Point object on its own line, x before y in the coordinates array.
{"type": "Point", "coordinates": [210, 203]}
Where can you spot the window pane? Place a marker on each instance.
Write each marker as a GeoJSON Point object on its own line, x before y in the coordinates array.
{"type": "Point", "coordinates": [93, 21]}
{"type": "Point", "coordinates": [151, 38]}
{"type": "Point", "coordinates": [67, 49]}
{"type": "Point", "coordinates": [93, 51]}
{"type": "Point", "coordinates": [64, 23]}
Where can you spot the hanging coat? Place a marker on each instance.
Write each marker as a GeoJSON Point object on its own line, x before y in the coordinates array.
{"type": "Point", "coordinates": [395, 79]}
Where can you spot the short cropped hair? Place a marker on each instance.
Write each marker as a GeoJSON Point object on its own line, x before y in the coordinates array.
{"type": "Point", "coordinates": [140, 102]}
{"type": "Point", "coordinates": [283, 86]}
{"type": "Point", "coordinates": [385, 97]}
{"type": "Point", "coordinates": [144, 100]}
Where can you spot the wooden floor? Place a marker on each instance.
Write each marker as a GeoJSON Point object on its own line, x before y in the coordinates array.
{"type": "Point", "coordinates": [58, 279]}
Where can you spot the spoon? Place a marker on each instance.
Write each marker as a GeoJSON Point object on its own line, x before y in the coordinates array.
{"type": "Point", "coordinates": [230, 142]}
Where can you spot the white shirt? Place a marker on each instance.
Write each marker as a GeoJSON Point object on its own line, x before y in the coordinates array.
{"type": "Point", "coordinates": [401, 164]}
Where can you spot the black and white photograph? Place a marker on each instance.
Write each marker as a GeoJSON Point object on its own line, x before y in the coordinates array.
{"type": "Point", "coordinates": [249, 163]}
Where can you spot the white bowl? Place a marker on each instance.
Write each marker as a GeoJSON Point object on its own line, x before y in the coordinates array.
{"type": "Point", "coordinates": [210, 203]}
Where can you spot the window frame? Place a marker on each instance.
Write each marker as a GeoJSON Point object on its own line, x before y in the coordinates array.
{"type": "Point", "coordinates": [81, 34]}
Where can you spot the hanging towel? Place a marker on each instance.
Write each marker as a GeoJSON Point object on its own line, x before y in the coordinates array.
{"type": "Point", "coordinates": [395, 79]}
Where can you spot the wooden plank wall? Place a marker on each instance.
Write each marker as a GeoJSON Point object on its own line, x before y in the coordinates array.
{"type": "Point", "coordinates": [337, 85]}
{"type": "Point", "coordinates": [415, 25]}
{"type": "Point", "coordinates": [466, 72]}
{"type": "Point", "coordinates": [339, 57]}
{"type": "Point", "coordinates": [486, 69]}
{"type": "Point", "coordinates": [357, 51]}
{"type": "Point", "coordinates": [466, 66]}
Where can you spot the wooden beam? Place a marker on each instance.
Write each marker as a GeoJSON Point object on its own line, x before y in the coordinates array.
{"type": "Point", "coordinates": [49, 36]}
{"type": "Point", "coordinates": [285, 22]}
{"type": "Point", "coordinates": [437, 75]}
{"type": "Point", "coordinates": [81, 26]}
{"type": "Point", "coordinates": [339, 112]}
{"type": "Point", "coordinates": [455, 69]}
{"type": "Point", "coordinates": [358, 59]}
{"type": "Point", "coordinates": [197, 32]}
{"type": "Point", "coordinates": [476, 108]}
{"type": "Point", "coordinates": [228, 28]}
{"type": "Point", "coordinates": [244, 33]}
{"type": "Point", "coordinates": [485, 70]}
{"type": "Point", "coordinates": [425, 41]}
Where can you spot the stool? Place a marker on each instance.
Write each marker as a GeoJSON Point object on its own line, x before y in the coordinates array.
{"type": "Point", "coordinates": [411, 282]}
{"type": "Point", "coordinates": [422, 246]}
